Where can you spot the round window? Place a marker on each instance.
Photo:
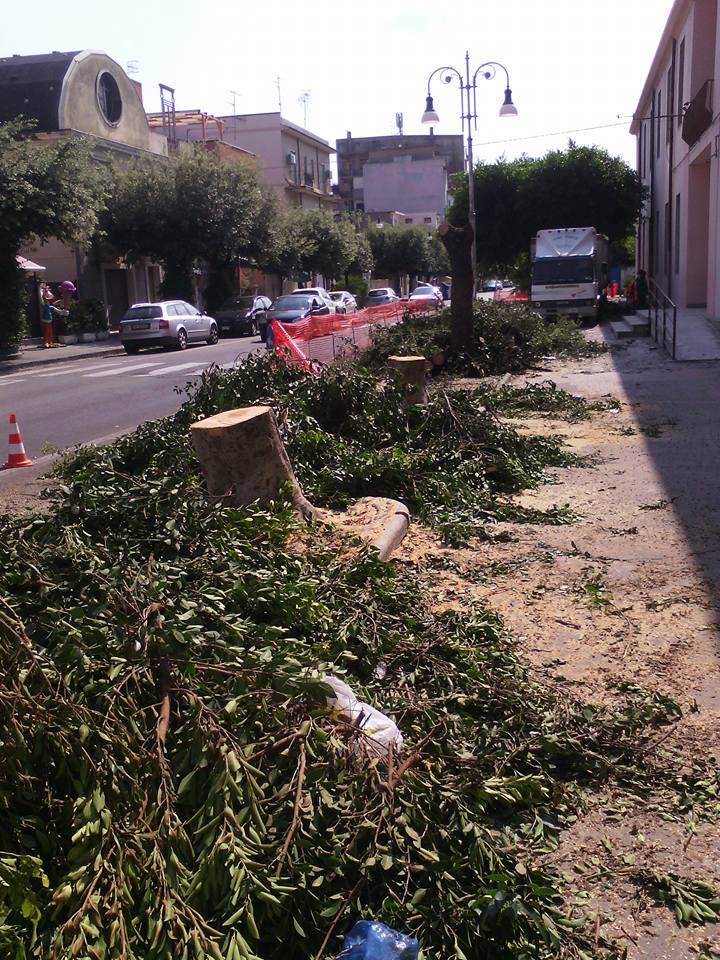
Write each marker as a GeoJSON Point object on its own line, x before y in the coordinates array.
{"type": "Point", "coordinates": [109, 99]}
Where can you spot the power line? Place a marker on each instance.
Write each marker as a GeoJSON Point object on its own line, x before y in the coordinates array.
{"type": "Point", "coordinates": [556, 133]}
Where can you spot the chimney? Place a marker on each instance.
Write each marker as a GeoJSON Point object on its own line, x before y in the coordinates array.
{"type": "Point", "coordinates": [349, 135]}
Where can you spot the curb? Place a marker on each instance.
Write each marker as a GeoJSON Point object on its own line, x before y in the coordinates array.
{"type": "Point", "coordinates": [9, 366]}
{"type": "Point", "coordinates": [42, 465]}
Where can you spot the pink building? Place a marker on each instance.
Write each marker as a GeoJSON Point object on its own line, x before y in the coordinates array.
{"type": "Point", "coordinates": [678, 131]}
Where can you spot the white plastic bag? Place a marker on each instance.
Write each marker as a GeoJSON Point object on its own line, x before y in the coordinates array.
{"type": "Point", "coordinates": [379, 732]}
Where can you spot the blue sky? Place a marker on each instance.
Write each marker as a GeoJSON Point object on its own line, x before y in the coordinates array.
{"type": "Point", "coordinates": [572, 63]}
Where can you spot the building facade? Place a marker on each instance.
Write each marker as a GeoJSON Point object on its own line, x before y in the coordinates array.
{"type": "Point", "coordinates": [294, 162]}
{"type": "Point", "coordinates": [85, 93]}
{"type": "Point", "coordinates": [678, 132]}
{"type": "Point", "coordinates": [409, 174]}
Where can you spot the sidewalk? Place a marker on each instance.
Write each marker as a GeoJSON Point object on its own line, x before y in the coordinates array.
{"type": "Point", "coordinates": [33, 355]}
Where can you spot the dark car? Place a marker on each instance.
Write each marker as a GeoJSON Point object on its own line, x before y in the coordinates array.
{"type": "Point", "coordinates": [238, 316]}
{"type": "Point", "coordinates": [290, 309]}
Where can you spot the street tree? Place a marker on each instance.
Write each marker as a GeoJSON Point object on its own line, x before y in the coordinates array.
{"type": "Point", "coordinates": [196, 209]}
{"type": "Point", "coordinates": [580, 186]}
{"type": "Point", "coordinates": [46, 191]}
{"type": "Point", "coordinates": [399, 250]}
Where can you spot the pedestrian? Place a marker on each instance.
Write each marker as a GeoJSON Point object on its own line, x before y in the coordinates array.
{"type": "Point", "coordinates": [642, 290]}
{"type": "Point", "coordinates": [49, 311]}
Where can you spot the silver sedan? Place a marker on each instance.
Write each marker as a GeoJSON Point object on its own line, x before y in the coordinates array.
{"type": "Point", "coordinates": [169, 323]}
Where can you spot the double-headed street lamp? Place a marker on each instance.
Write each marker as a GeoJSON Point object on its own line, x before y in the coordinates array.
{"type": "Point", "coordinates": [468, 112]}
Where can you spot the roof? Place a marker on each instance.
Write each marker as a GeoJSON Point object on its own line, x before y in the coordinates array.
{"type": "Point", "coordinates": [284, 124]}
{"type": "Point", "coordinates": [31, 86]}
{"type": "Point", "coordinates": [678, 8]}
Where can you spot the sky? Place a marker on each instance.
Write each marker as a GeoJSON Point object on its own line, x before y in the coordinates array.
{"type": "Point", "coordinates": [572, 64]}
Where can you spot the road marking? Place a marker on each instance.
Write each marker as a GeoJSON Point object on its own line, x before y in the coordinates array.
{"type": "Point", "coordinates": [114, 373]}
{"type": "Point", "coordinates": [7, 383]}
{"type": "Point", "coordinates": [166, 370]}
{"type": "Point", "coordinates": [64, 373]}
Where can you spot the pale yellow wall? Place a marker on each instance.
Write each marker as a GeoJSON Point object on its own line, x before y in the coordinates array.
{"type": "Point", "coordinates": [79, 109]}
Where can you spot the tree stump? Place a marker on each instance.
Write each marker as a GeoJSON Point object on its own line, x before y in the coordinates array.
{"type": "Point", "coordinates": [245, 459]}
{"type": "Point", "coordinates": [412, 372]}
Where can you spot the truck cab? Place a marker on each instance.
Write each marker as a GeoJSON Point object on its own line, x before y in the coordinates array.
{"type": "Point", "coordinates": [569, 272]}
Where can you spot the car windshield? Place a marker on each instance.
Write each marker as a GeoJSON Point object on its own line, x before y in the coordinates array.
{"type": "Point", "coordinates": [305, 292]}
{"type": "Point", "coordinates": [146, 312]}
{"type": "Point", "coordinates": [423, 290]}
{"type": "Point", "coordinates": [563, 270]}
{"type": "Point", "coordinates": [336, 296]}
{"type": "Point", "coordinates": [291, 302]}
{"type": "Point", "coordinates": [235, 302]}
{"type": "Point", "coordinates": [377, 293]}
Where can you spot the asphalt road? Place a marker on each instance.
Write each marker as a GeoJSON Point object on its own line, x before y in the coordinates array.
{"type": "Point", "coordinates": [71, 402]}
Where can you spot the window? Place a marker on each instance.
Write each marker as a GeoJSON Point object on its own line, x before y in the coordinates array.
{"type": "Point", "coordinates": [680, 83]}
{"type": "Point", "coordinates": [108, 98]}
{"type": "Point", "coordinates": [669, 105]}
{"type": "Point", "coordinates": [408, 219]}
{"type": "Point", "coordinates": [659, 114]}
{"type": "Point", "coordinates": [427, 219]}
{"type": "Point", "coordinates": [677, 233]}
{"type": "Point", "coordinates": [666, 258]}
{"type": "Point", "coordinates": [658, 241]}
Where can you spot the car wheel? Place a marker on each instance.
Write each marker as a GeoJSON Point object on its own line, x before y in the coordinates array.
{"type": "Point", "coordinates": [131, 348]}
{"type": "Point", "coordinates": [181, 342]}
{"type": "Point", "coordinates": [213, 336]}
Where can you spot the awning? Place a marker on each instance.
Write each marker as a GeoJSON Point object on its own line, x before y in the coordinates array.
{"type": "Point", "coordinates": [28, 266]}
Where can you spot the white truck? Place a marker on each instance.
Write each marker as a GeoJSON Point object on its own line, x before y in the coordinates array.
{"type": "Point", "coordinates": [569, 271]}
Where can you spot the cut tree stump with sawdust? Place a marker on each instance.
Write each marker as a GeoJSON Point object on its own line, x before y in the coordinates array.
{"type": "Point", "coordinates": [245, 459]}
{"type": "Point", "coordinates": [412, 371]}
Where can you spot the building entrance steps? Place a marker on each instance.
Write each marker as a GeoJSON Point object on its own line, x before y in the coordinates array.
{"type": "Point", "coordinates": [630, 326]}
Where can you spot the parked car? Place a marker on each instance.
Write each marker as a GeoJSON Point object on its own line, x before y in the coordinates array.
{"type": "Point", "coordinates": [289, 309]}
{"type": "Point", "coordinates": [319, 292]}
{"type": "Point", "coordinates": [170, 323]}
{"type": "Point", "coordinates": [426, 291]}
{"type": "Point", "coordinates": [381, 295]}
{"type": "Point", "coordinates": [238, 315]}
{"type": "Point", "coordinates": [344, 302]}
{"type": "Point", "coordinates": [490, 286]}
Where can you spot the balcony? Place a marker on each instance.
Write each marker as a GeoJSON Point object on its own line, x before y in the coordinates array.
{"type": "Point", "coordinates": [309, 179]}
{"type": "Point", "coordinates": [698, 116]}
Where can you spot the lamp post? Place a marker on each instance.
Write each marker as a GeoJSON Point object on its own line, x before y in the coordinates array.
{"type": "Point", "coordinates": [468, 113]}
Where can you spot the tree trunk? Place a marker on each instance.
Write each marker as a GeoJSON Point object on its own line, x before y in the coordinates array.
{"type": "Point", "coordinates": [12, 301]}
{"type": "Point", "coordinates": [458, 243]}
{"type": "Point", "coordinates": [244, 458]}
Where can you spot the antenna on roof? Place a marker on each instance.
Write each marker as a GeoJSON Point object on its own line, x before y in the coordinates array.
{"type": "Point", "coordinates": [399, 122]}
{"type": "Point", "coordinates": [234, 94]}
{"type": "Point", "coordinates": [132, 66]}
{"type": "Point", "coordinates": [277, 84]}
{"type": "Point", "coordinates": [303, 99]}
{"type": "Point", "coordinates": [167, 109]}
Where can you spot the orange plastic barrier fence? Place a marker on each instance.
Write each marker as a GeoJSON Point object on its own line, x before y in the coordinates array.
{"type": "Point", "coordinates": [288, 338]}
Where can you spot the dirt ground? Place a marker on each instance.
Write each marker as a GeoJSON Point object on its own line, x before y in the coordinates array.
{"type": "Point", "coordinates": [628, 593]}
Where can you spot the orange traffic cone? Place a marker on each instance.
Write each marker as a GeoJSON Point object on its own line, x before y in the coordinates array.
{"type": "Point", "coordinates": [17, 456]}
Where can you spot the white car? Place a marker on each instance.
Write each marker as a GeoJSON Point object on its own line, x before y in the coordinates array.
{"type": "Point", "coordinates": [169, 323]}
{"type": "Point", "coordinates": [380, 295]}
{"type": "Point", "coordinates": [320, 292]}
{"type": "Point", "coordinates": [425, 291]}
{"type": "Point", "coordinates": [344, 301]}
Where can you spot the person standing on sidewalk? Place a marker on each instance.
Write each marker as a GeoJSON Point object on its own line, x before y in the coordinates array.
{"type": "Point", "coordinates": [48, 315]}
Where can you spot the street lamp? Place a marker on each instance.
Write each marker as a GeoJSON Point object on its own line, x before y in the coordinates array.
{"type": "Point", "coordinates": [468, 112]}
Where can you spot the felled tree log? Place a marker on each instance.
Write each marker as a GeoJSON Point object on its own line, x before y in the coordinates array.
{"type": "Point", "coordinates": [458, 243]}
{"type": "Point", "coordinates": [412, 371]}
{"type": "Point", "coordinates": [245, 459]}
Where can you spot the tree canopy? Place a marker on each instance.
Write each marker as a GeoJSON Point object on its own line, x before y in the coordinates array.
{"type": "Point", "coordinates": [580, 186]}
{"type": "Point", "coordinates": [406, 249]}
{"type": "Point", "coordinates": [198, 207]}
{"type": "Point", "coordinates": [46, 190]}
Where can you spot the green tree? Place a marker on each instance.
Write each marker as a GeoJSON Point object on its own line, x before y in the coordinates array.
{"type": "Point", "coordinates": [399, 250]}
{"type": "Point", "coordinates": [198, 208]}
{"type": "Point", "coordinates": [580, 186]}
{"type": "Point", "coordinates": [46, 190]}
